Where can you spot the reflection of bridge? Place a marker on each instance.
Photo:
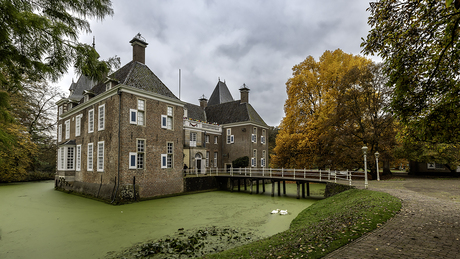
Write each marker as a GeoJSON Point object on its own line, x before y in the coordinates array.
{"type": "Point", "coordinates": [302, 177]}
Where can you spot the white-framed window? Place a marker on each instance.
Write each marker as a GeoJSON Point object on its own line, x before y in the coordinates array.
{"type": "Point", "coordinates": [59, 132]}
{"type": "Point", "coordinates": [100, 156]}
{"type": "Point", "coordinates": [193, 139]}
{"type": "Point", "coordinates": [262, 138]}
{"type": "Point", "coordinates": [207, 138]}
{"type": "Point", "coordinates": [167, 160]}
{"type": "Point", "coordinates": [140, 153]}
{"type": "Point", "coordinates": [91, 121]}
{"type": "Point", "coordinates": [89, 158]}
{"type": "Point", "coordinates": [230, 137]}
{"type": "Point", "coordinates": [132, 160]}
{"type": "Point", "coordinates": [170, 155]}
{"type": "Point", "coordinates": [61, 158]}
{"type": "Point", "coordinates": [167, 120]}
{"type": "Point", "coordinates": [78, 125]}
{"type": "Point", "coordinates": [207, 158]}
{"type": "Point", "coordinates": [132, 116]}
{"type": "Point", "coordinates": [215, 159]}
{"type": "Point", "coordinates": [215, 139]}
{"type": "Point", "coordinates": [60, 110]}
{"type": "Point", "coordinates": [263, 159]}
{"type": "Point", "coordinates": [66, 158]}
{"type": "Point", "coordinates": [141, 112]}
{"type": "Point", "coordinates": [78, 158]}
{"type": "Point", "coordinates": [67, 129]}
{"type": "Point", "coordinates": [101, 118]}
{"type": "Point", "coordinates": [70, 158]}
{"type": "Point", "coordinates": [254, 158]}
{"type": "Point", "coordinates": [254, 135]}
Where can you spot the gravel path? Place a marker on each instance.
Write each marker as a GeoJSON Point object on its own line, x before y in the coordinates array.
{"type": "Point", "coordinates": [428, 225]}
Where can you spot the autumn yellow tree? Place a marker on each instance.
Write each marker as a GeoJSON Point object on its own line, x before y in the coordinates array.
{"type": "Point", "coordinates": [334, 107]}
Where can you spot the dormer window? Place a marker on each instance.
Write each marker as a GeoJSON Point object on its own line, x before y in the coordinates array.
{"type": "Point", "coordinates": [108, 85]}
{"type": "Point", "coordinates": [86, 98]}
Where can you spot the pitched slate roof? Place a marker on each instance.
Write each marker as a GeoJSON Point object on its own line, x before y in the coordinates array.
{"type": "Point", "coordinates": [232, 112]}
{"type": "Point", "coordinates": [83, 83]}
{"type": "Point", "coordinates": [221, 94]}
{"type": "Point", "coordinates": [138, 75]}
{"type": "Point", "coordinates": [195, 112]}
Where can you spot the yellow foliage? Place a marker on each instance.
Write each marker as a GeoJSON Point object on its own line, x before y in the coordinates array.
{"type": "Point", "coordinates": [15, 160]}
{"type": "Point", "coordinates": [312, 98]}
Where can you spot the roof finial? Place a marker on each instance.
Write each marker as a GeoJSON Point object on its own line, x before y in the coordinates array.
{"type": "Point", "coordinates": [94, 42]}
{"type": "Point", "coordinates": [218, 78]}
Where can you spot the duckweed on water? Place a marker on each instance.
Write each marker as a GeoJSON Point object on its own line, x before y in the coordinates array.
{"type": "Point", "coordinates": [189, 243]}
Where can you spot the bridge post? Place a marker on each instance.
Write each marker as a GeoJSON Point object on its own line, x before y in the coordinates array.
{"type": "Point", "coordinates": [251, 182]}
{"type": "Point", "coordinates": [335, 176]}
{"type": "Point", "coordinates": [250, 171]}
{"type": "Point", "coordinates": [231, 184]}
{"type": "Point", "coordinates": [279, 188]}
{"type": "Point", "coordinates": [320, 175]}
{"type": "Point", "coordinates": [273, 188]}
{"type": "Point", "coordinates": [303, 189]}
{"type": "Point", "coordinates": [294, 173]}
{"type": "Point", "coordinates": [270, 172]}
{"type": "Point", "coordinates": [245, 186]}
{"type": "Point", "coordinates": [284, 187]}
{"type": "Point", "coordinates": [245, 171]}
{"type": "Point", "coordinates": [298, 190]}
{"type": "Point", "coordinates": [349, 177]}
{"type": "Point", "coordinates": [304, 172]}
{"type": "Point", "coordinates": [329, 175]}
{"type": "Point", "coordinates": [239, 184]}
{"type": "Point", "coordinates": [257, 186]}
{"type": "Point", "coordinates": [263, 185]}
{"type": "Point", "coordinates": [308, 189]}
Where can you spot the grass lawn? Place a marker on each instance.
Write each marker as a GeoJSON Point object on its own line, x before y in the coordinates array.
{"type": "Point", "coordinates": [323, 227]}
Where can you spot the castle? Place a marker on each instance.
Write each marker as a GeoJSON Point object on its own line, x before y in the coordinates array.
{"type": "Point", "coordinates": [130, 136]}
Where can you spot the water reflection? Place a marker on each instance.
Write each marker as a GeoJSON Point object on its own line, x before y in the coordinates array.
{"type": "Point", "coordinates": [38, 222]}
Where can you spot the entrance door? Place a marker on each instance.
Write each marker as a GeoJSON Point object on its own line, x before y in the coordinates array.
{"type": "Point", "coordinates": [198, 162]}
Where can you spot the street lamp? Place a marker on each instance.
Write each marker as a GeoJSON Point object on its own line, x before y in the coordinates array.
{"type": "Point", "coordinates": [377, 163]}
{"type": "Point", "coordinates": [365, 166]}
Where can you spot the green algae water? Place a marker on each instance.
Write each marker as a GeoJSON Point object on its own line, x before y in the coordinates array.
{"type": "Point", "coordinates": [38, 222]}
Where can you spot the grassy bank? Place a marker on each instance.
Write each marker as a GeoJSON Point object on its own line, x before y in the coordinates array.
{"type": "Point", "coordinates": [323, 227]}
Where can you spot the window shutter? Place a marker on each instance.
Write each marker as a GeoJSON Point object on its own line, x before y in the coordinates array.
{"type": "Point", "coordinates": [163, 161]}
{"type": "Point", "coordinates": [132, 160]}
{"type": "Point", "coordinates": [132, 116]}
{"type": "Point", "coordinates": [232, 139]}
{"type": "Point", "coordinates": [164, 120]}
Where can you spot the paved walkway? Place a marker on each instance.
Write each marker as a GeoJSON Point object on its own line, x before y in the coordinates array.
{"type": "Point", "coordinates": [428, 225]}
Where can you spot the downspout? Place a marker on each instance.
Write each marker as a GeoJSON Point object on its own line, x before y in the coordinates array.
{"type": "Point", "coordinates": [119, 144]}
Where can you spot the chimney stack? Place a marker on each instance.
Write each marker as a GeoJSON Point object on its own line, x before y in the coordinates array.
{"type": "Point", "coordinates": [203, 102]}
{"type": "Point", "coordinates": [244, 91]}
{"type": "Point", "coordinates": [139, 45]}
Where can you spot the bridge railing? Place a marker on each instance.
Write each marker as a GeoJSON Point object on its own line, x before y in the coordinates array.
{"type": "Point", "coordinates": [288, 174]}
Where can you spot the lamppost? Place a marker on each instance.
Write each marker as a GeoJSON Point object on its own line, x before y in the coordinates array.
{"type": "Point", "coordinates": [365, 166]}
{"type": "Point", "coordinates": [377, 163]}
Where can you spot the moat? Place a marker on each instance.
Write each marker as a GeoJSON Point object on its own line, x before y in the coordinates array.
{"type": "Point", "coordinates": [37, 221]}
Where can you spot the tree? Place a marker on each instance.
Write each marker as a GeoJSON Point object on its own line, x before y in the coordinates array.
{"type": "Point", "coordinates": [16, 160]}
{"type": "Point", "coordinates": [39, 39]}
{"type": "Point", "coordinates": [312, 94]}
{"type": "Point", "coordinates": [338, 106]}
{"type": "Point", "coordinates": [419, 42]}
{"type": "Point", "coordinates": [34, 108]}
{"type": "Point", "coordinates": [240, 162]}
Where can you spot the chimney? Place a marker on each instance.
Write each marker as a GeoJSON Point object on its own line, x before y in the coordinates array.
{"type": "Point", "coordinates": [203, 102]}
{"type": "Point", "coordinates": [139, 45]}
{"type": "Point", "coordinates": [244, 91]}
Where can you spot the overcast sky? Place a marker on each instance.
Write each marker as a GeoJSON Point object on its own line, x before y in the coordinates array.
{"type": "Point", "coordinates": [242, 42]}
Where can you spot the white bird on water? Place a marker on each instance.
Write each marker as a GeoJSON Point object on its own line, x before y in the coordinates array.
{"type": "Point", "coordinates": [283, 212]}
{"type": "Point", "coordinates": [275, 211]}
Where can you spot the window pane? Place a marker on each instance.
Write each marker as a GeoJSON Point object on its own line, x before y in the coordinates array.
{"type": "Point", "coordinates": [140, 118]}
{"type": "Point", "coordinates": [140, 105]}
